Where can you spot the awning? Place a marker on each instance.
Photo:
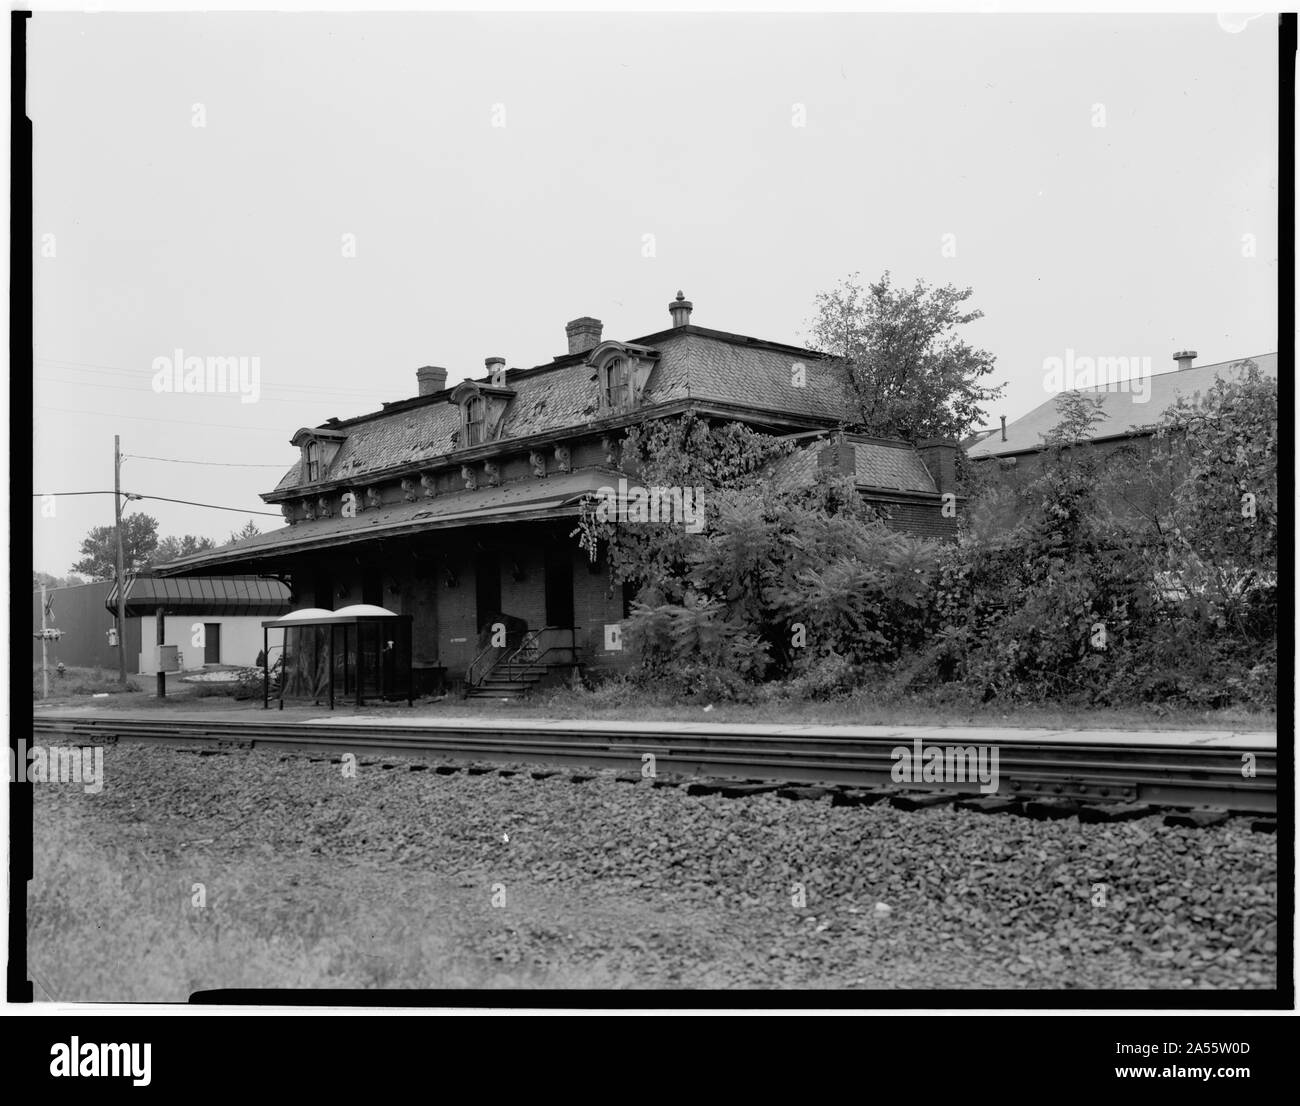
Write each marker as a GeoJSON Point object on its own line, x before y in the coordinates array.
{"type": "Point", "coordinates": [521, 500]}
{"type": "Point", "coordinates": [216, 596]}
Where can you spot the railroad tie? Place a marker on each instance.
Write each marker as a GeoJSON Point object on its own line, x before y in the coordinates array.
{"type": "Point", "coordinates": [1196, 819]}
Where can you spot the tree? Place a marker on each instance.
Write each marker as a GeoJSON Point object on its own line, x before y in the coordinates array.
{"type": "Point", "coordinates": [1147, 575]}
{"type": "Point", "coordinates": [99, 547]}
{"type": "Point", "coordinates": [687, 453]}
{"type": "Point", "coordinates": [250, 530]}
{"type": "Point", "coordinates": [52, 581]}
{"type": "Point", "coordinates": [1039, 598]}
{"type": "Point", "coordinates": [1218, 453]}
{"type": "Point", "coordinates": [1079, 414]}
{"type": "Point", "coordinates": [912, 375]}
{"type": "Point", "coordinates": [1226, 509]}
{"type": "Point", "coordinates": [775, 580]}
{"type": "Point", "coordinates": [170, 548]}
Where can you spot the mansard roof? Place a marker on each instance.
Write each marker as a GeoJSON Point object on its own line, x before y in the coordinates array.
{"type": "Point", "coordinates": [879, 465]}
{"type": "Point", "coordinates": [709, 370]}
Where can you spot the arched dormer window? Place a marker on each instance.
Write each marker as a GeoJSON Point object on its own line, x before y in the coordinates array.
{"type": "Point", "coordinates": [616, 383]}
{"type": "Point", "coordinates": [319, 446]}
{"type": "Point", "coordinates": [622, 374]}
{"type": "Point", "coordinates": [482, 410]}
{"type": "Point", "coordinates": [475, 421]}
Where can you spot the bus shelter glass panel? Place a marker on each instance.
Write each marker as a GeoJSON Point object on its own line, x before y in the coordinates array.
{"type": "Point", "coordinates": [305, 663]}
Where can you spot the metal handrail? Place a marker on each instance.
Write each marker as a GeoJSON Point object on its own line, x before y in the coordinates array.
{"type": "Point", "coordinates": [514, 658]}
{"type": "Point", "coordinates": [530, 641]}
{"type": "Point", "coordinates": [470, 681]}
{"type": "Point", "coordinates": [538, 660]}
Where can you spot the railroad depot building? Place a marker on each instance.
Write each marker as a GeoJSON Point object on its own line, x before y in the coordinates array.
{"type": "Point", "coordinates": [458, 506]}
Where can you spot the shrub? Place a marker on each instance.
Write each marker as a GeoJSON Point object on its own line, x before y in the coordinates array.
{"type": "Point", "coordinates": [695, 647]}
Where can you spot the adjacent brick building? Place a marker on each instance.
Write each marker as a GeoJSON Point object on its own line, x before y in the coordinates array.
{"type": "Point", "coordinates": [1130, 408]}
{"type": "Point", "coordinates": [457, 506]}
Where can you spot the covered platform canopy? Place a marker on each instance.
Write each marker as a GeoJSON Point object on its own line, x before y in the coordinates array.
{"type": "Point", "coordinates": [363, 651]}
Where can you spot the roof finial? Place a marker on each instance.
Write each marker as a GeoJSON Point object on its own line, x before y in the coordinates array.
{"type": "Point", "coordinates": [680, 309]}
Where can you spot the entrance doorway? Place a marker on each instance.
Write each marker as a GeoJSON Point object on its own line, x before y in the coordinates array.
{"type": "Point", "coordinates": [487, 587]}
{"type": "Point", "coordinates": [212, 643]}
{"type": "Point", "coordinates": [559, 588]}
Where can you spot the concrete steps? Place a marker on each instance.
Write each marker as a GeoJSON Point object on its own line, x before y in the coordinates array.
{"type": "Point", "coordinates": [515, 686]}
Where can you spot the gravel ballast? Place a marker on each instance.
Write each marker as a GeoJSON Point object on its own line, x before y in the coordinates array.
{"type": "Point", "coordinates": [402, 876]}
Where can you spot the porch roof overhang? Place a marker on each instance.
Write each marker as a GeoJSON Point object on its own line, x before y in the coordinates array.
{"type": "Point", "coordinates": [520, 501]}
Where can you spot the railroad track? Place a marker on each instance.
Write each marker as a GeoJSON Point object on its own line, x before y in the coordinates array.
{"type": "Point", "coordinates": [1145, 770]}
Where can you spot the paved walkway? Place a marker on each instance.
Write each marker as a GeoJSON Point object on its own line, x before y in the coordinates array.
{"type": "Point", "coordinates": [954, 735]}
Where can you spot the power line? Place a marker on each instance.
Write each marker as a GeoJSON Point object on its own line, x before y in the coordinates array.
{"type": "Point", "coordinates": [136, 389]}
{"type": "Point", "coordinates": [164, 499]}
{"type": "Point", "coordinates": [86, 366]}
{"type": "Point", "coordinates": [213, 506]}
{"type": "Point", "coordinates": [173, 422]}
{"type": "Point", "coordinates": [218, 464]}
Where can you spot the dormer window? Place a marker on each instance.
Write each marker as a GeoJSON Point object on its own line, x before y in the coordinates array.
{"type": "Point", "coordinates": [622, 374]}
{"type": "Point", "coordinates": [475, 421]}
{"type": "Point", "coordinates": [482, 411]}
{"type": "Point", "coordinates": [319, 446]}
{"type": "Point", "coordinates": [616, 383]}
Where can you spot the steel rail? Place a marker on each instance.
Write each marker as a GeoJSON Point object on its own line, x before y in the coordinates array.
{"type": "Point", "coordinates": [1199, 775]}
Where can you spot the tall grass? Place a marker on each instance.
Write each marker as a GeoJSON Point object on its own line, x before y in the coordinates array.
{"type": "Point", "coordinates": [81, 681]}
{"type": "Point", "coordinates": [107, 922]}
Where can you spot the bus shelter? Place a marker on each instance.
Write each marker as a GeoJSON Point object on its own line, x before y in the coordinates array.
{"type": "Point", "coordinates": [359, 652]}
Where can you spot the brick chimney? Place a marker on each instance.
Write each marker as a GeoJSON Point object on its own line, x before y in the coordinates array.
{"type": "Point", "coordinates": [584, 334]}
{"type": "Point", "coordinates": [432, 379]}
{"type": "Point", "coordinates": [1185, 357]}
{"type": "Point", "coordinates": [680, 309]}
{"type": "Point", "coordinates": [939, 455]}
{"type": "Point", "coordinates": [838, 455]}
{"type": "Point", "coordinates": [495, 366]}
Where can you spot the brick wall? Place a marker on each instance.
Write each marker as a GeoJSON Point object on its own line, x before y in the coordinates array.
{"type": "Point", "coordinates": [1123, 497]}
{"type": "Point", "coordinates": [920, 520]}
{"type": "Point", "coordinates": [457, 615]}
{"type": "Point", "coordinates": [524, 597]}
{"type": "Point", "coordinates": [939, 455]}
{"type": "Point", "coordinates": [445, 618]}
{"type": "Point", "coordinates": [595, 606]}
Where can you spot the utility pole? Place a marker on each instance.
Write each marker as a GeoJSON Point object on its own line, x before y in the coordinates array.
{"type": "Point", "coordinates": [162, 676]}
{"type": "Point", "coordinates": [121, 569]}
{"type": "Point", "coordinates": [45, 658]}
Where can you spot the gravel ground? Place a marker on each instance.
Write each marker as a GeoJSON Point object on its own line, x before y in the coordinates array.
{"type": "Point", "coordinates": [405, 877]}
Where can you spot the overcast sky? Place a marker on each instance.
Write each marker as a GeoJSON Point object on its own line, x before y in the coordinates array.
{"type": "Point", "coordinates": [474, 240]}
